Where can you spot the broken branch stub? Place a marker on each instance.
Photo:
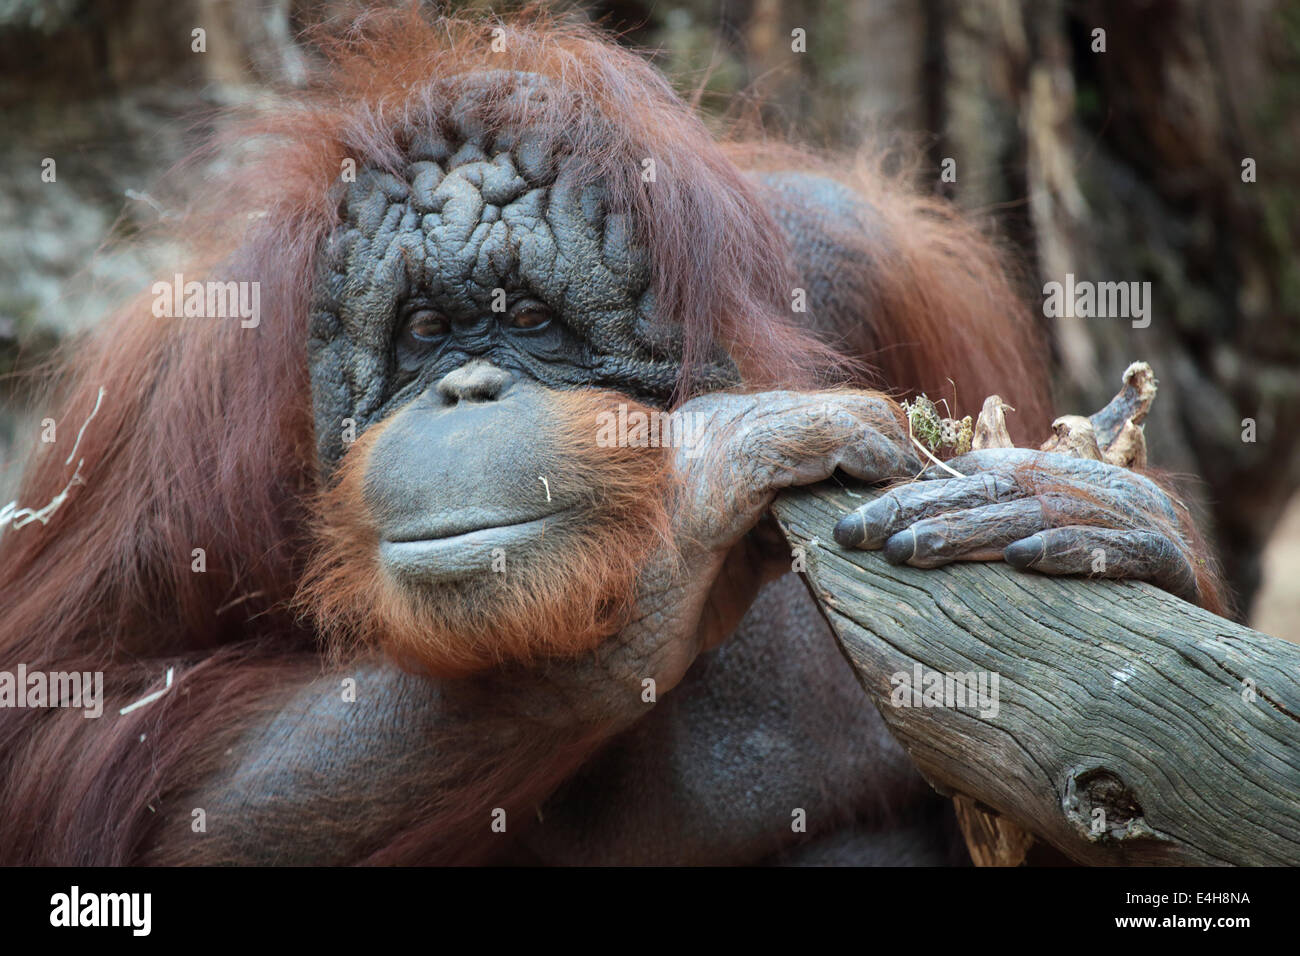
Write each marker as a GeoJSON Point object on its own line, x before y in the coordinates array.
{"type": "Point", "coordinates": [1114, 434]}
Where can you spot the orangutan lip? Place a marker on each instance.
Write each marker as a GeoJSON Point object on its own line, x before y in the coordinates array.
{"type": "Point", "coordinates": [466, 555]}
{"type": "Point", "coordinates": [468, 534]}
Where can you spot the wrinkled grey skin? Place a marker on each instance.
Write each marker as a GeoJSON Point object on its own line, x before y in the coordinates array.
{"type": "Point", "coordinates": [463, 220]}
{"type": "Point", "coordinates": [455, 238]}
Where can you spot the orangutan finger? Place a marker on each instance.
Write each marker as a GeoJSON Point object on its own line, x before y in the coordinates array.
{"type": "Point", "coordinates": [1107, 553]}
{"type": "Point", "coordinates": [986, 459]}
{"type": "Point", "coordinates": [975, 534]}
{"type": "Point", "coordinates": [1126, 490]}
{"type": "Point", "coordinates": [981, 534]}
{"type": "Point", "coordinates": [871, 524]}
{"type": "Point", "coordinates": [875, 456]}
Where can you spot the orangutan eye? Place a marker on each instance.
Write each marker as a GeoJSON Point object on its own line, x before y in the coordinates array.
{"type": "Point", "coordinates": [530, 316]}
{"type": "Point", "coordinates": [425, 325]}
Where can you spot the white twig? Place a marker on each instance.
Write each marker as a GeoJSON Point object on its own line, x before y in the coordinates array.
{"type": "Point", "coordinates": [928, 454]}
{"type": "Point", "coordinates": [17, 517]}
{"type": "Point", "coordinates": [12, 516]}
{"type": "Point", "coordinates": [93, 412]}
{"type": "Point", "coordinates": [149, 698]}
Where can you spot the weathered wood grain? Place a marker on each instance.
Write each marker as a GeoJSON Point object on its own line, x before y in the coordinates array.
{"type": "Point", "coordinates": [1183, 728]}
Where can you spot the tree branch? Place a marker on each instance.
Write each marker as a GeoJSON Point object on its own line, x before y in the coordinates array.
{"type": "Point", "coordinates": [1180, 727]}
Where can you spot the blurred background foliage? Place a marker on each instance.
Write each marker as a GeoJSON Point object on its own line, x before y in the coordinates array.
{"type": "Point", "coordinates": [1117, 165]}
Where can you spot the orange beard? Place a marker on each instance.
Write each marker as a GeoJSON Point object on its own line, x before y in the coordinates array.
{"type": "Point", "coordinates": [556, 600]}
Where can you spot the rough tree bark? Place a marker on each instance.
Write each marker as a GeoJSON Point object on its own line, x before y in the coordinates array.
{"type": "Point", "coordinates": [1180, 727]}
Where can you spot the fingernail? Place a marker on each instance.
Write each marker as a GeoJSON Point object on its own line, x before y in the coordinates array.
{"type": "Point", "coordinates": [900, 548]}
{"type": "Point", "coordinates": [850, 530]}
{"type": "Point", "coordinates": [1025, 553]}
{"type": "Point", "coordinates": [861, 529]}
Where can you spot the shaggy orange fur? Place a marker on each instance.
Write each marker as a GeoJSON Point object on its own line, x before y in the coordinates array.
{"type": "Point", "coordinates": [557, 599]}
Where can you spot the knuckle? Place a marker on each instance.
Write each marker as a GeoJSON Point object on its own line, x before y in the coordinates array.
{"type": "Point", "coordinates": [930, 539]}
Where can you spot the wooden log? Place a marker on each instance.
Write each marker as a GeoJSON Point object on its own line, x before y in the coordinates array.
{"type": "Point", "coordinates": [1130, 727]}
